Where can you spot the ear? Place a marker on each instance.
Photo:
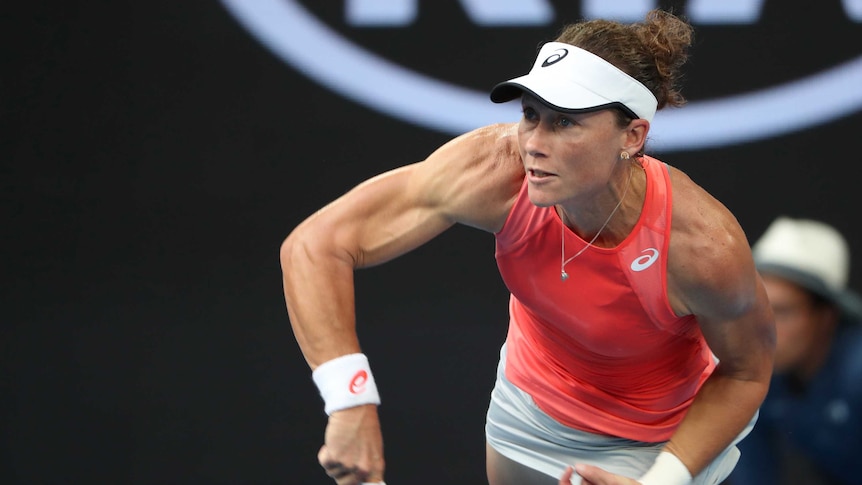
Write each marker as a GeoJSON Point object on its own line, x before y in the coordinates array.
{"type": "Point", "coordinates": [634, 136]}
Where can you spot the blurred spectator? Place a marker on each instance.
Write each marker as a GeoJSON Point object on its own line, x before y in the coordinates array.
{"type": "Point", "coordinates": [810, 425]}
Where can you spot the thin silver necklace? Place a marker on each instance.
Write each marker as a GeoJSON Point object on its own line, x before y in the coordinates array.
{"type": "Point", "coordinates": [563, 261]}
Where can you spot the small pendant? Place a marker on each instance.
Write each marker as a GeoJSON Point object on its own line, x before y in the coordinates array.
{"type": "Point", "coordinates": [564, 276]}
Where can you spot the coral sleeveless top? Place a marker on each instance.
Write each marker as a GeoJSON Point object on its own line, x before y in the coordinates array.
{"type": "Point", "coordinates": [603, 351]}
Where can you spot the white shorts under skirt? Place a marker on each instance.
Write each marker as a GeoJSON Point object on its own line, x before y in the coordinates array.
{"type": "Point", "coordinates": [520, 431]}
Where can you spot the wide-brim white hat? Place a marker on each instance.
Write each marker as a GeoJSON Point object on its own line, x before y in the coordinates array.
{"type": "Point", "coordinates": [811, 254]}
{"type": "Point", "coordinates": [571, 79]}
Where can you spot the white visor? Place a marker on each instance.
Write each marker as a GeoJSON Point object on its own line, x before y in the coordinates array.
{"type": "Point", "coordinates": [570, 79]}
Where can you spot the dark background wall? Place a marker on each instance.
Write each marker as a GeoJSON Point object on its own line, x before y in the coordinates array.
{"type": "Point", "coordinates": [154, 156]}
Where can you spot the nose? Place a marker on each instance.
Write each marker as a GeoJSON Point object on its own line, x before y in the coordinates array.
{"type": "Point", "coordinates": [535, 141]}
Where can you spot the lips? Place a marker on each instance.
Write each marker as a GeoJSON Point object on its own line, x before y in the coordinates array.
{"type": "Point", "coordinates": [540, 173]}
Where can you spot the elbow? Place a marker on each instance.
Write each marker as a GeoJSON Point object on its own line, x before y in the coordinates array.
{"type": "Point", "coordinates": [296, 258]}
{"type": "Point", "coordinates": [284, 252]}
{"type": "Point", "coordinates": [294, 246]}
{"type": "Point", "coordinates": [313, 246]}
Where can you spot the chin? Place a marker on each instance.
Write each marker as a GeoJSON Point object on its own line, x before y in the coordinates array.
{"type": "Point", "coordinates": [541, 200]}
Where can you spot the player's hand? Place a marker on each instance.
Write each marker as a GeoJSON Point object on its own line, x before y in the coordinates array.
{"type": "Point", "coordinates": [566, 479]}
{"type": "Point", "coordinates": [592, 475]}
{"type": "Point", "coordinates": [353, 450]}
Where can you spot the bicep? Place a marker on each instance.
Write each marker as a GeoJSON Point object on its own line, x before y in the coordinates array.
{"type": "Point", "coordinates": [472, 180]}
{"type": "Point", "coordinates": [380, 219]}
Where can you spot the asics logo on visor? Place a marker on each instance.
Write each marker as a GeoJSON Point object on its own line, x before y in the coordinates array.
{"type": "Point", "coordinates": [643, 262]}
{"type": "Point", "coordinates": [556, 57]}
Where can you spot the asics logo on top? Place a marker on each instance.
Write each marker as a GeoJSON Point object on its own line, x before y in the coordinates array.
{"type": "Point", "coordinates": [556, 57]}
{"type": "Point", "coordinates": [643, 262]}
{"type": "Point", "coordinates": [323, 54]}
{"type": "Point", "coordinates": [357, 384]}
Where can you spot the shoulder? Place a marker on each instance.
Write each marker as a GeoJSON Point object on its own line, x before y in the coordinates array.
{"type": "Point", "coordinates": [710, 267]}
{"type": "Point", "coordinates": [476, 176]}
{"type": "Point", "coordinates": [485, 147]}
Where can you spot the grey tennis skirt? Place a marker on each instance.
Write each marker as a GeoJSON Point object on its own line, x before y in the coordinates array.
{"type": "Point", "coordinates": [520, 431]}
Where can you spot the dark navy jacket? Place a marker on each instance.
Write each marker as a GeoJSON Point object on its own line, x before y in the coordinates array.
{"type": "Point", "coordinates": [810, 434]}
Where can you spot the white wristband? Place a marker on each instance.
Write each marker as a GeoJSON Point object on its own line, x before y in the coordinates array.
{"type": "Point", "coordinates": [667, 470]}
{"type": "Point", "coordinates": [345, 382]}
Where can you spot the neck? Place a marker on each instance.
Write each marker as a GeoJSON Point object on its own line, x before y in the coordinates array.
{"type": "Point", "coordinates": [608, 213]}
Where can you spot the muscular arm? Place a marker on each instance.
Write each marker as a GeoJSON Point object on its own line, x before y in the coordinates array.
{"type": "Point", "coordinates": [712, 275]}
{"type": "Point", "coordinates": [376, 221]}
{"type": "Point", "coordinates": [471, 180]}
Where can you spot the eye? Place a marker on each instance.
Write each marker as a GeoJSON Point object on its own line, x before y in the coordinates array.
{"type": "Point", "coordinates": [529, 113]}
{"type": "Point", "coordinates": [565, 121]}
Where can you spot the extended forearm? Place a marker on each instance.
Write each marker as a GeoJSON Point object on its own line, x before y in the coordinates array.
{"type": "Point", "coordinates": [720, 412]}
{"type": "Point", "coordinates": [318, 291]}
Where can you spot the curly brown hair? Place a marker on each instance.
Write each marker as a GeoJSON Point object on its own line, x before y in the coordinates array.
{"type": "Point", "coordinates": [652, 51]}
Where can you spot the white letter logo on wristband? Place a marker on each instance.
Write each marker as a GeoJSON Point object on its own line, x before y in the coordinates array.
{"type": "Point", "coordinates": [345, 382]}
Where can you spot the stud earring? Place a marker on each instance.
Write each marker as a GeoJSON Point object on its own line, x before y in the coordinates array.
{"type": "Point", "coordinates": [624, 156]}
